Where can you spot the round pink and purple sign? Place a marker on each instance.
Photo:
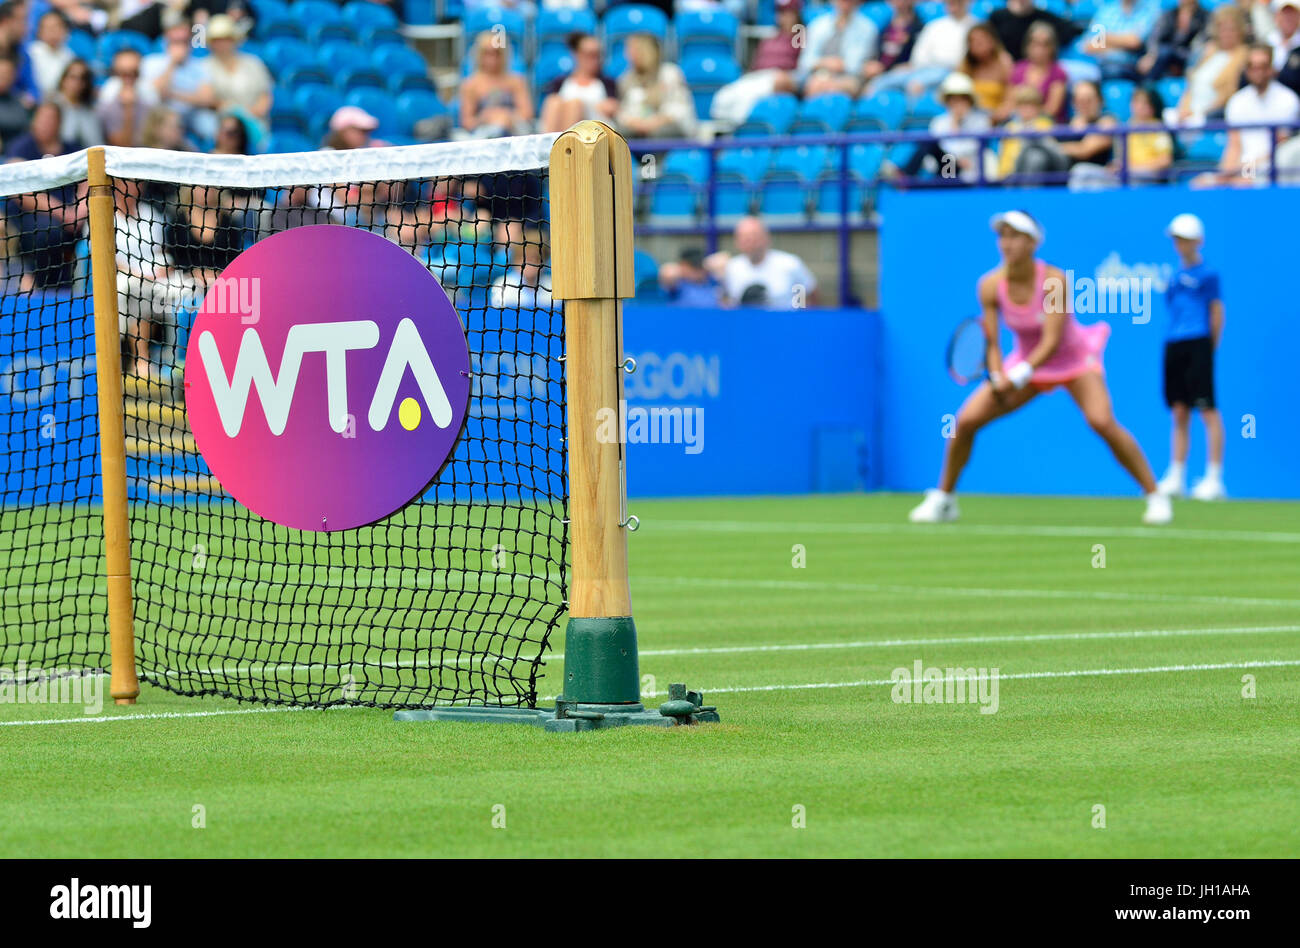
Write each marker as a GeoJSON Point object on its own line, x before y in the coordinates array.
{"type": "Point", "coordinates": [327, 378]}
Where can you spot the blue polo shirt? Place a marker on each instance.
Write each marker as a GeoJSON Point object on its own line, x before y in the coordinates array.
{"type": "Point", "coordinates": [1188, 299]}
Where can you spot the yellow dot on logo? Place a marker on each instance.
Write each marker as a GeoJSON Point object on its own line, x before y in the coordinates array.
{"type": "Point", "coordinates": [408, 413]}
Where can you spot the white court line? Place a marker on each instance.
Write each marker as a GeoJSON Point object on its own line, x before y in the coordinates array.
{"type": "Point", "coordinates": [736, 689]}
{"type": "Point", "coordinates": [978, 529]}
{"type": "Point", "coordinates": [977, 591]}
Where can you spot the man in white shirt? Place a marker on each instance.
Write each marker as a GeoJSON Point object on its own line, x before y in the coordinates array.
{"type": "Point", "coordinates": [757, 275]}
{"type": "Point", "coordinates": [939, 49]}
{"type": "Point", "coordinates": [1245, 160]}
{"type": "Point", "coordinates": [1286, 31]}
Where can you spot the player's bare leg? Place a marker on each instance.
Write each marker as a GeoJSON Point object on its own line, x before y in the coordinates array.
{"type": "Point", "coordinates": [982, 407]}
{"type": "Point", "coordinates": [1174, 483]}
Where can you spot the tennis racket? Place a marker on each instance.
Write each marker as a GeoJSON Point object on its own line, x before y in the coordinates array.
{"type": "Point", "coordinates": [967, 352]}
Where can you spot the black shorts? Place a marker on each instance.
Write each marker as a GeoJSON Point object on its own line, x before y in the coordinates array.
{"type": "Point", "coordinates": [1189, 372]}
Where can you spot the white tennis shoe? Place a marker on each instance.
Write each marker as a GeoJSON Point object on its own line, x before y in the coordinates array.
{"type": "Point", "coordinates": [1209, 488]}
{"type": "Point", "coordinates": [937, 507]}
{"type": "Point", "coordinates": [1172, 484]}
{"type": "Point", "coordinates": [1160, 509]}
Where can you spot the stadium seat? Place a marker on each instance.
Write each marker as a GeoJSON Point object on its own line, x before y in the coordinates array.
{"type": "Point", "coordinates": [406, 81]}
{"type": "Point", "coordinates": [1203, 147]}
{"type": "Point", "coordinates": [554, 26]}
{"type": "Point", "coordinates": [487, 18]}
{"type": "Point", "coordinates": [823, 115]}
{"type": "Point", "coordinates": [865, 160]}
{"type": "Point", "coordinates": [377, 36]}
{"type": "Point", "coordinates": [706, 73]}
{"type": "Point", "coordinates": [888, 107]}
{"type": "Point", "coordinates": [981, 9]}
{"type": "Point", "coordinates": [1171, 89]}
{"type": "Point", "coordinates": [1084, 10]}
{"type": "Point", "coordinates": [317, 102]}
{"type": "Point", "coordinates": [419, 12]}
{"type": "Point", "coordinates": [1116, 95]}
{"type": "Point", "coordinates": [315, 12]}
{"type": "Point", "coordinates": [281, 142]}
{"type": "Point", "coordinates": [110, 43]}
{"type": "Point", "coordinates": [765, 13]}
{"type": "Point", "coordinates": [770, 116]}
{"type": "Point", "coordinates": [280, 25]}
{"type": "Point", "coordinates": [673, 199]}
{"type": "Point", "coordinates": [922, 110]}
{"type": "Point", "coordinates": [615, 62]}
{"type": "Point", "coordinates": [733, 198]}
{"type": "Point", "coordinates": [805, 161]}
{"type": "Point", "coordinates": [879, 13]}
{"type": "Point", "coordinates": [691, 162]}
{"type": "Point", "coordinates": [264, 9]}
{"type": "Point", "coordinates": [287, 117]}
{"type": "Point", "coordinates": [628, 18]}
{"type": "Point", "coordinates": [340, 57]}
{"type": "Point", "coordinates": [311, 74]}
{"type": "Point", "coordinates": [82, 45]}
{"type": "Point", "coordinates": [749, 163]}
{"type": "Point", "coordinates": [783, 198]}
{"type": "Point", "coordinates": [1061, 8]}
{"type": "Point", "coordinates": [399, 59]}
{"type": "Point", "coordinates": [362, 15]}
{"type": "Point", "coordinates": [706, 30]}
{"type": "Point", "coordinates": [381, 105]}
{"type": "Point", "coordinates": [286, 52]}
{"type": "Point", "coordinates": [828, 196]}
{"type": "Point", "coordinates": [363, 78]}
{"type": "Point", "coordinates": [416, 104]}
{"type": "Point", "coordinates": [929, 10]}
{"type": "Point", "coordinates": [331, 32]}
{"type": "Point", "coordinates": [644, 267]}
{"type": "Point", "coordinates": [551, 66]}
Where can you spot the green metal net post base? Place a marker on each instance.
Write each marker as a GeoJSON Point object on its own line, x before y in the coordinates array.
{"type": "Point", "coordinates": [601, 689]}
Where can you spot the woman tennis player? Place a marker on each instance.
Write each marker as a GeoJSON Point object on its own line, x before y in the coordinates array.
{"type": "Point", "coordinates": [1052, 349]}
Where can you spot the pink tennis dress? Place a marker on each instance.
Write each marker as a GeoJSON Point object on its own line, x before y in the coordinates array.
{"type": "Point", "coordinates": [1081, 346]}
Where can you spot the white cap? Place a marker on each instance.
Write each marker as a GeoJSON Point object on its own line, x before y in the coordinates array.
{"type": "Point", "coordinates": [1279, 4]}
{"type": "Point", "coordinates": [1020, 221]}
{"type": "Point", "coordinates": [1187, 226]}
{"type": "Point", "coordinates": [957, 83]}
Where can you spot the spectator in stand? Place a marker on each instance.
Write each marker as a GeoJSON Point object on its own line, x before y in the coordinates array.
{"type": "Point", "coordinates": [526, 8]}
{"type": "Point", "coordinates": [138, 230]}
{"type": "Point", "coordinates": [494, 101]}
{"type": "Point", "coordinates": [201, 237]}
{"type": "Point", "coordinates": [1285, 36]}
{"type": "Point", "coordinates": [839, 44]}
{"type": "Point", "coordinates": [687, 282]}
{"type": "Point", "coordinates": [13, 38]}
{"type": "Point", "coordinates": [1028, 156]}
{"type": "Point", "coordinates": [897, 39]}
{"type": "Point", "coordinates": [1216, 74]}
{"type": "Point", "coordinates": [235, 79]}
{"type": "Point", "coordinates": [233, 136]}
{"type": "Point", "coordinates": [582, 94]}
{"type": "Point", "coordinates": [47, 223]}
{"type": "Point", "coordinates": [1245, 160]}
{"type": "Point", "coordinates": [352, 127]}
{"type": "Point", "coordinates": [526, 284]}
{"type": "Point", "coordinates": [989, 67]}
{"type": "Point", "coordinates": [1149, 154]}
{"type": "Point", "coordinates": [44, 136]}
{"type": "Point", "coordinates": [1118, 33]}
{"type": "Point", "coordinates": [1288, 68]}
{"type": "Point", "coordinates": [758, 275]}
{"type": "Point", "coordinates": [1041, 69]}
{"type": "Point", "coordinates": [1013, 21]}
{"type": "Point", "coordinates": [1089, 141]}
{"type": "Point", "coordinates": [179, 80]}
{"type": "Point", "coordinates": [163, 129]}
{"type": "Point", "coordinates": [654, 99]}
{"type": "Point", "coordinates": [15, 116]}
{"type": "Point", "coordinates": [954, 156]}
{"type": "Point", "coordinates": [1169, 47]}
{"type": "Point", "coordinates": [49, 52]}
{"type": "Point", "coordinates": [76, 98]}
{"type": "Point", "coordinates": [938, 50]}
{"type": "Point", "coordinates": [123, 101]}
{"type": "Point", "coordinates": [1259, 19]}
{"type": "Point", "coordinates": [772, 70]}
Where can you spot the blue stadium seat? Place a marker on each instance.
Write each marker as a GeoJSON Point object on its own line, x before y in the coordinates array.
{"type": "Point", "coordinates": [287, 117]}
{"type": "Point", "coordinates": [748, 163]}
{"type": "Point", "coordinates": [82, 45]}
{"type": "Point", "coordinates": [399, 59]}
{"type": "Point", "coordinates": [1060, 7]}
{"type": "Point", "coordinates": [279, 24]}
{"type": "Point", "coordinates": [315, 12]}
{"type": "Point", "coordinates": [691, 162]}
{"type": "Point", "coordinates": [407, 81]}
{"type": "Point", "coordinates": [1171, 89]}
{"type": "Point", "coordinates": [339, 31]}
{"type": "Point", "coordinates": [281, 142]}
{"type": "Point", "coordinates": [556, 25]}
{"type": "Point", "coordinates": [363, 78]}
{"type": "Point", "coordinates": [317, 102]}
{"type": "Point", "coordinates": [1116, 95]}
{"type": "Point", "coordinates": [822, 115]}
{"type": "Point", "coordinates": [878, 12]}
{"type": "Point", "coordinates": [733, 197]}
{"type": "Point", "coordinates": [770, 116]}
{"type": "Point", "coordinates": [644, 267]}
{"type": "Point", "coordinates": [417, 104]}
{"type": "Point", "coordinates": [887, 107]}
{"type": "Point", "coordinates": [783, 198]}
{"type": "Point", "coordinates": [981, 9]}
{"type": "Point", "coordinates": [929, 10]}
{"type": "Point", "coordinates": [827, 201]}
{"type": "Point", "coordinates": [865, 161]}
{"type": "Point", "coordinates": [487, 18]}
{"type": "Point", "coordinates": [340, 57]}
{"type": "Point", "coordinates": [110, 43]}
{"type": "Point", "coordinates": [377, 36]}
{"type": "Point", "coordinates": [615, 62]}
{"type": "Point", "coordinates": [286, 52]}
{"type": "Point", "coordinates": [419, 12]}
{"type": "Point", "coordinates": [263, 9]}
{"type": "Point", "coordinates": [551, 65]}
{"type": "Point", "coordinates": [379, 104]}
{"type": "Point", "coordinates": [706, 30]}
{"type": "Point", "coordinates": [673, 199]}
{"type": "Point", "coordinates": [1084, 10]}
{"type": "Point", "coordinates": [805, 161]}
{"type": "Point", "coordinates": [310, 74]}
{"type": "Point", "coordinates": [765, 14]}
{"type": "Point", "coordinates": [706, 73]}
{"type": "Point", "coordinates": [628, 18]}
{"type": "Point", "coordinates": [362, 15]}
{"type": "Point", "coordinates": [922, 110]}
{"type": "Point", "coordinates": [1203, 147]}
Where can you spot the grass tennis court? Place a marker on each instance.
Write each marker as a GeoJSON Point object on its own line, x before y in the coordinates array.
{"type": "Point", "coordinates": [1120, 687]}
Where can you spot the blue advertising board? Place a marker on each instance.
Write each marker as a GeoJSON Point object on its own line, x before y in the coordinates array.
{"type": "Point", "coordinates": [936, 244]}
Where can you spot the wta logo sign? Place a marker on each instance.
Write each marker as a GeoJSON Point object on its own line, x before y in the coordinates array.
{"type": "Point", "coordinates": [344, 398]}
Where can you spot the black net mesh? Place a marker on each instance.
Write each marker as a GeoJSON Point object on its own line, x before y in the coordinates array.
{"type": "Point", "coordinates": [450, 600]}
{"type": "Point", "coordinates": [51, 534]}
